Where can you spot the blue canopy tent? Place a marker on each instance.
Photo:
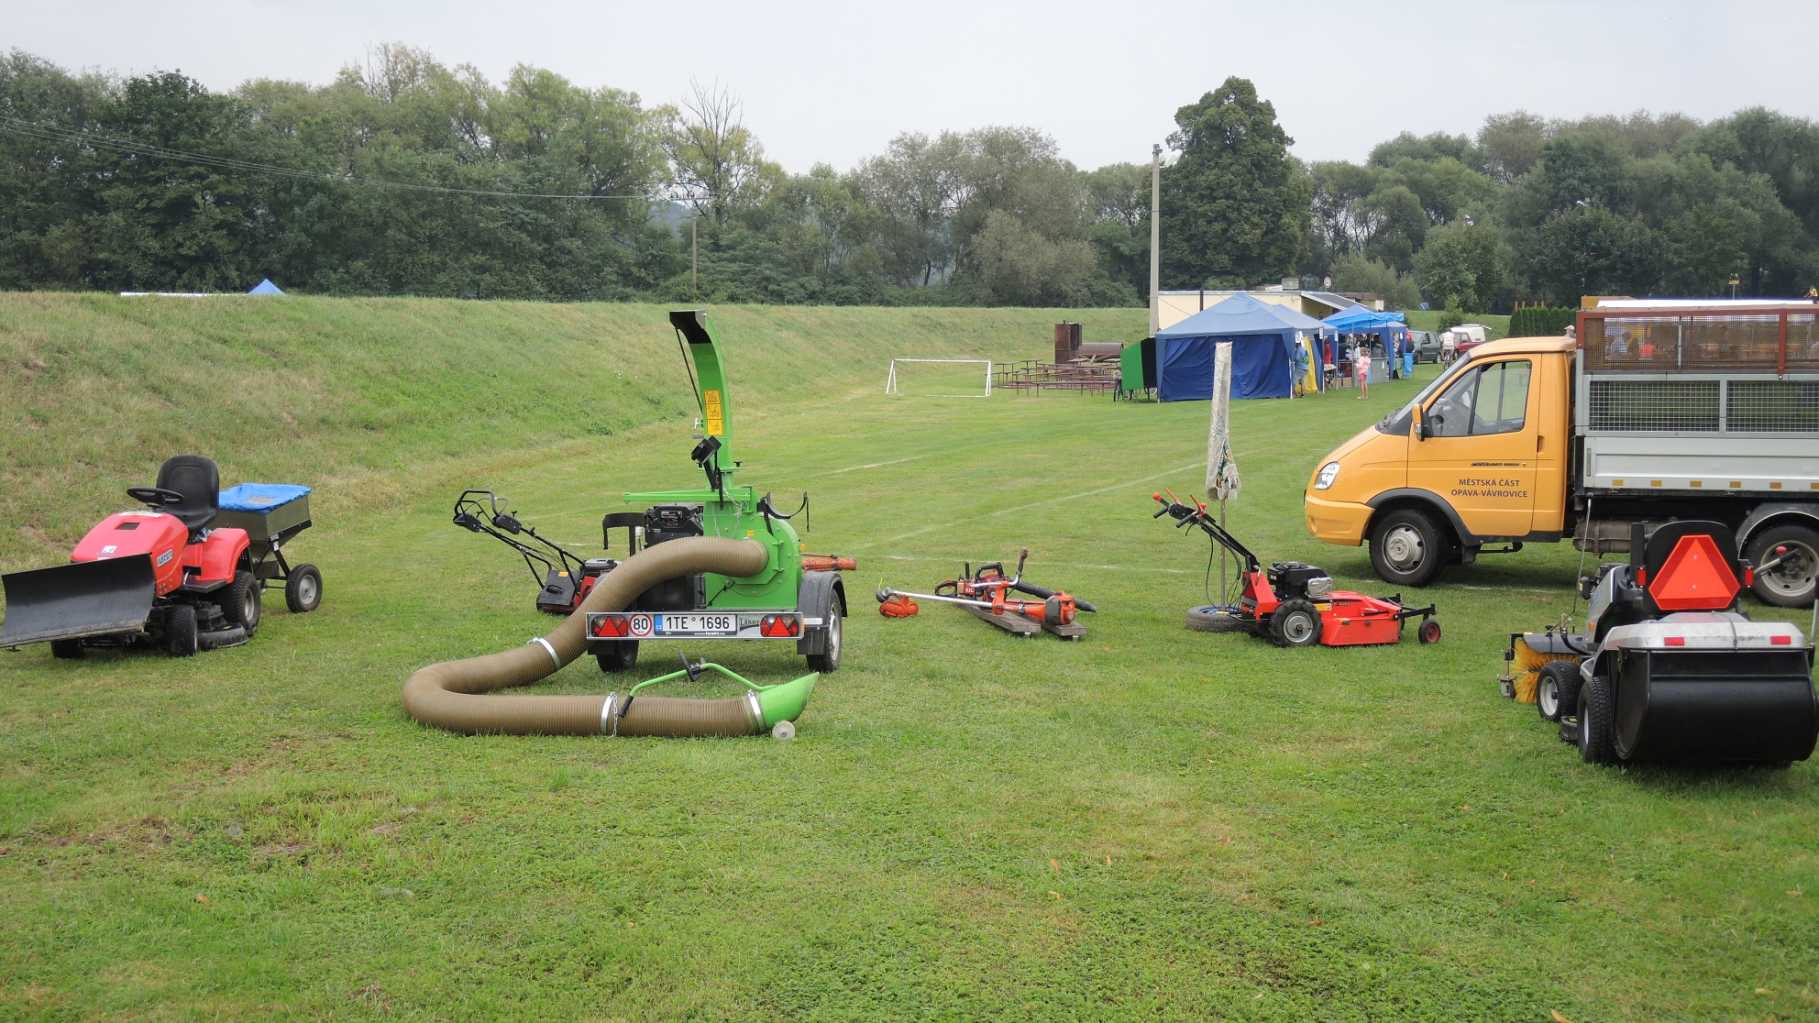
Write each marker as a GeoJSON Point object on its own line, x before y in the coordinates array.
{"type": "Point", "coordinates": [1387, 326]}
{"type": "Point", "coordinates": [1263, 350]}
{"type": "Point", "coordinates": [1359, 320]}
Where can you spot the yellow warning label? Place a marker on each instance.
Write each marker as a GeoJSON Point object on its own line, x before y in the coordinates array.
{"type": "Point", "coordinates": [716, 419]}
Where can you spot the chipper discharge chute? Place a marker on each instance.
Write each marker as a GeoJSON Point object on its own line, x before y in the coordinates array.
{"type": "Point", "coordinates": [77, 601]}
{"type": "Point", "coordinates": [1670, 669]}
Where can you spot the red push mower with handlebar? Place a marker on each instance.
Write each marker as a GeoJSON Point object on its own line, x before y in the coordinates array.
{"type": "Point", "coordinates": [1294, 603]}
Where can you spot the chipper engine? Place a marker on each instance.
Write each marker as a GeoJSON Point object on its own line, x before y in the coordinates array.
{"type": "Point", "coordinates": [794, 596]}
{"type": "Point", "coordinates": [184, 574]}
{"type": "Point", "coordinates": [1295, 604]}
{"type": "Point", "coordinates": [1669, 668]}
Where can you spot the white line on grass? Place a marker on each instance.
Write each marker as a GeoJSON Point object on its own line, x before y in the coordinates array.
{"type": "Point", "coordinates": [997, 512]}
{"type": "Point", "coordinates": [857, 468]}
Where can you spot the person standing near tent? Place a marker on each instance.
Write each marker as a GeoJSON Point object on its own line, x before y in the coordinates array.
{"type": "Point", "coordinates": [1361, 365]}
{"type": "Point", "coordinates": [1300, 366]}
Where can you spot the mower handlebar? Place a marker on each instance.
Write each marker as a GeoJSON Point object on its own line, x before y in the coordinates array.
{"type": "Point", "coordinates": [1196, 515]}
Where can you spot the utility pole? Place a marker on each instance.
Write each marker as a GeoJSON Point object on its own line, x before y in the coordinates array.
{"type": "Point", "coordinates": [694, 260]}
{"type": "Point", "coordinates": [1155, 237]}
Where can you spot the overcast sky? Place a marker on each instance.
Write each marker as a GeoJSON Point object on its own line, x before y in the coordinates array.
{"type": "Point", "coordinates": [834, 82]}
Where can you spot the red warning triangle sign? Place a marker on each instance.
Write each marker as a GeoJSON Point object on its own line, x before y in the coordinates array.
{"type": "Point", "coordinates": [1695, 577]}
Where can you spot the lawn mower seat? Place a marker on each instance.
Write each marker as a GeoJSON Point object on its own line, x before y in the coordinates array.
{"type": "Point", "coordinates": [199, 481]}
{"type": "Point", "coordinates": [1689, 565]}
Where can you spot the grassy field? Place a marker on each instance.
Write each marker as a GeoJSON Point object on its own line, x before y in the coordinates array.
{"type": "Point", "coordinates": [1148, 824]}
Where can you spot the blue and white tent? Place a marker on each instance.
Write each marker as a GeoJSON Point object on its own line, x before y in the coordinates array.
{"type": "Point", "coordinates": [1263, 350]}
{"type": "Point", "coordinates": [266, 287]}
{"type": "Point", "coordinates": [1387, 326]}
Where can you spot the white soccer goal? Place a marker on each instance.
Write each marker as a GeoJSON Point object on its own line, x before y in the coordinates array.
{"type": "Point", "coordinates": [940, 378]}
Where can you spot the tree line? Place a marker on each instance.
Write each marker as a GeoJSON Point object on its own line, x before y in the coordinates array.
{"type": "Point", "coordinates": [407, 176]}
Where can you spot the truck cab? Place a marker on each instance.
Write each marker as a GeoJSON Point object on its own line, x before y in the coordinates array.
{"type": "Point", "coordinates": [1479, 456]}
{"type": "Point", "coordinates": [1653, 410]}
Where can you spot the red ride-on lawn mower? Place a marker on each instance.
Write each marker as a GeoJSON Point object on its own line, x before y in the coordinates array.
{"type": "Point", "coordinates": [163, 576]}
{"type": "Point", "coordinates": [1295, 604]}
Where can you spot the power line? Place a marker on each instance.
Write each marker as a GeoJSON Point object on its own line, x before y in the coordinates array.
{"type": "Point", "coordinates": [133, 147]}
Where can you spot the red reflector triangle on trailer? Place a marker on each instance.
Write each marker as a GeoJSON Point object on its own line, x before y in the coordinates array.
{"type": "Point", "coordinates": [1695, 577]}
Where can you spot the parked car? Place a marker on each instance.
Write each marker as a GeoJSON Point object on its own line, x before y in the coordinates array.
{"type": "Point", "coordinates": [1470, 336]}
{"type": "Point", "coordinates": [1427, 345]}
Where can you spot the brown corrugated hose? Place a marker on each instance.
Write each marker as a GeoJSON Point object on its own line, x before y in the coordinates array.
{"type": "Point", "coordinates": [458, 695]}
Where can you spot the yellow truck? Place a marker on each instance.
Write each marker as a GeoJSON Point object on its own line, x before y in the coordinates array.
{"type": "Point", "coordinates": [1652, 411]}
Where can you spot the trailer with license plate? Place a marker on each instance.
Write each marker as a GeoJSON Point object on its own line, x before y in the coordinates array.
{"type": "Point", "coordinates": [796, 596]}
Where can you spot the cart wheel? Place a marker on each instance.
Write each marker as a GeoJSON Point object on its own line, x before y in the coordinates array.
{"type": "Point", "coordinates": [783, 730]}
{"type": "Point", "coordinates": [180, 630]}
{"type": "Point", "coordinates": [241, 603]}
{"type": "Point", "coordinates": [1295, 623]}
{"type": "Point", "coordinates": [829, 659]}
{"type": "Point", "coordinates": [66, 649]}
{"type": "Point", "coordinates": [1429, 632]}
{"type": "Point", "coordinates": [1551, 700]}
{"type": "Point", "coordinates": [617, 657]}
{"type": "Point", "coordinates": [303, 589]}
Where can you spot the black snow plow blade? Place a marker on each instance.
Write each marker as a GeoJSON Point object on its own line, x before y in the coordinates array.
{"type": "Point", "coordinates": [89, 598]}
{"type": "Point", "coordinates": [1735, 707]}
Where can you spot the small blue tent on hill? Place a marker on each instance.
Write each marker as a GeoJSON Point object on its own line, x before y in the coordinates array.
{"type": "Point", "coordinates": [1263, 350]}
{"type": "Point", "coordinates": [266, 287]}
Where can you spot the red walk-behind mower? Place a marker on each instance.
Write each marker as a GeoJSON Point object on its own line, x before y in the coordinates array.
{"type": "Point", "coordinates": [1295, 603]}
{"type": "Point", "coordinates": [164, 576]}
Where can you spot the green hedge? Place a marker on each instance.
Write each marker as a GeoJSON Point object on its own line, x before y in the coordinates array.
{"type": "Point", "coordinates": [1541, 321]}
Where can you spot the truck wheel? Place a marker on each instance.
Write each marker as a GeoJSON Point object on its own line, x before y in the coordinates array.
{"type": "Point", "coordinates": [1791, 582]}
{"type": "Point", "coordinates": [180, 630]}
{"type": "Point", "coordinates": [1551, 699]}
{"type": "Point", "coordinates": [1596, 721]}
{"type": "Point", "coordinates": [303, 589]}
{"type": "Point", "coordinates": [66, 649]}
{"type": "Point", "coordinates": [240, 603]}
{"type": "Point", "coordinates": [1295, 623]}
{"type": "Point", "coordinates": [829, 659]}
{"type": "Point", "coordinates": [1407, 548]}
{"type": "Point", "coordinates": [617, 657]}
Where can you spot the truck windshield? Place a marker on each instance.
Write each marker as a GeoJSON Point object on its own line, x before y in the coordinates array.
{"type": "Point", "coordinates": [1398, 421]}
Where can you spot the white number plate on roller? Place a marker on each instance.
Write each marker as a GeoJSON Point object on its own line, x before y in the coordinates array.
{"type": "Point", "coordinates": [695, 625]}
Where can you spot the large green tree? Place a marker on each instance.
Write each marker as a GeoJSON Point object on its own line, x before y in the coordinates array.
{"type": "Point", "coordinates": [1235, 204]}
{"type": "Point", "coordinates": [1464, 266]}
{"type": "Point", "coordinates": [1119, 205]}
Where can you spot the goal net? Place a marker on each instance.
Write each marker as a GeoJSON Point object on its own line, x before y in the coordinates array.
{"type": "Point", "coordinates": [940, 378]}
